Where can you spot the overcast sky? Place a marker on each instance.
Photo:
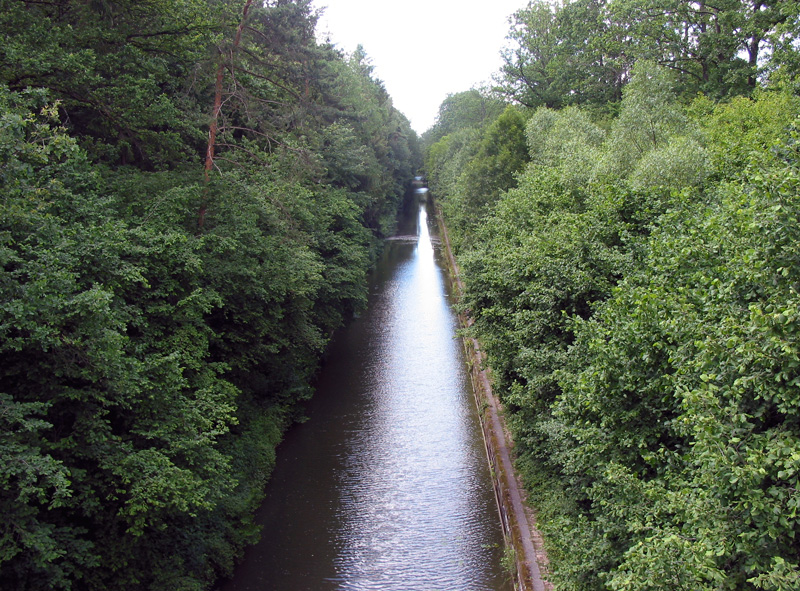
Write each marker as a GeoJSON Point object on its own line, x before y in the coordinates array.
{"type": "Point", "coordinates": [422, 49]}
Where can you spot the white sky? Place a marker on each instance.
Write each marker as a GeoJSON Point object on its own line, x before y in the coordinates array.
{"type": "Point", "coordinates": [422, 50]}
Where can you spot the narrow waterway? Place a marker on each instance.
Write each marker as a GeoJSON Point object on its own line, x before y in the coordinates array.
{"type": "Point", "coordinates": [386, 486]}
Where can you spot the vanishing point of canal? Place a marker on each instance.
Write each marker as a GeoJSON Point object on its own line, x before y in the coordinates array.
{"type": "Point", "coordinates": [386, 486]}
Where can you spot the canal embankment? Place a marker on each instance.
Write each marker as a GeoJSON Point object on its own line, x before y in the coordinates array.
{"type": "Point", "coordinates": [517, 517]}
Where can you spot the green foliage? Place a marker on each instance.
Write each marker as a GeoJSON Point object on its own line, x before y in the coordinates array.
{"type": "Point", "coordinates": [103, 327]}
{"type": "Point", "coordinates": [742, 130]}
{"type": "Point", "coordinates": [120, 69]}
{"type": "Point", "coordinates": [446, 159]}
{"type": "Point", "coordinates": [683, 162]}
{"type": "Point", "coordinates": [705, 420]}
{"type": "Point", "coordinates": [470, 167]}
{"type": "Point", "coordinates": [533, 67]}
{"type": "Point", "coordinates": [581, 52]}
{"type": "Point", "coordinates": [471, 109]}
{"type": "Point", "coordinates": [486, 167]}
{"type": "Point", "coordinates": [563, 54]}
{"type": "Point", "coordinates": [784, 64]}
{"type": "Point", "coordinates": [717, 52]}
{"type": "Point", "coordinates": [501, 154]}
{"type": "Point", "coordinates": [651, 144]}
{"type": "Point", "coordinates": [648, 119]}
{"type": "Point", "coordinates": [149, 368]}
{"type": "Point", "coordinates": [636, 296]}
{"type": "Point", "coordinates": [566, 142]}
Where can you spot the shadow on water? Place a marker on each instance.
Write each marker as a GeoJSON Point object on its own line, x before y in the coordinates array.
{"type": "Point", "coordinates": [386, 486]}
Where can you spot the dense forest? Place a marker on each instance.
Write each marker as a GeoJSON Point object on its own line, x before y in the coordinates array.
{"type": "Point", "coordinates": [626, 211]}
{"type": "Point", "coordinates": [193, 192]}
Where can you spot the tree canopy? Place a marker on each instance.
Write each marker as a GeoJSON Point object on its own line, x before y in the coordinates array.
{"type": "Point", "coordinates": [582, 51]}
{"type": "Point", "coordinates": [193, 194]}
{"type": "Point", "coordinates": [632, 281]}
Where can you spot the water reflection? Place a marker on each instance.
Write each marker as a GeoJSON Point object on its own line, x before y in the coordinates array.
{"type": "Point", "coordinates": [386, 487]}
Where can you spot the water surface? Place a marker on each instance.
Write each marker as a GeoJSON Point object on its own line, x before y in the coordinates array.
{"type": "Point", "coordinates": [386, 486]}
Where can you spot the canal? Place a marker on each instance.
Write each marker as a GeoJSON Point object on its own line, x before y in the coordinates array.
{"type": "Point", "coordinates": [386, 485]}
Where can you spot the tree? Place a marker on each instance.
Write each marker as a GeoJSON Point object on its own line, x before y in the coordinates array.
{"type": "Point", "coordinates": [582, 51]}
{"type": "Point", "coordinates": [471, 109]}
{"type": "Point", "coordinates": [531, 68]}
{"type": "Point", "coordinates": [96, 328]}
{"type": "Point", "coordinates": [652, 140]}
{"type": "Point", "coordinates": [703, 41]}
{"type": "Point", "coordinates": [489, 165]}
{"type": "Point", "coordinates": [635, 297]}
{"type": "Point", "coordinates": [567, 142]}
{"type": "Point", "coordinates": [148, 370]}
{"type": "Point", "coordinates": [564, 54]}
{"type": "Point", "coordinates": [120, 70]}
{"type": "Point", "coordinates": [501, 154]}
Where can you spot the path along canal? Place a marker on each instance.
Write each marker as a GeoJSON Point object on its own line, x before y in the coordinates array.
{"type": "Point", "coordinates": [386, 486]}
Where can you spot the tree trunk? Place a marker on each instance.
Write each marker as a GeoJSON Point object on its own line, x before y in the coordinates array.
{"type": "Point", "coordinates": [214, 125]}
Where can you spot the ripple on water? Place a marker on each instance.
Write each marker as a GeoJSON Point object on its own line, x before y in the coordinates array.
{"type": "Point", "coordinates": [387, 487]}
